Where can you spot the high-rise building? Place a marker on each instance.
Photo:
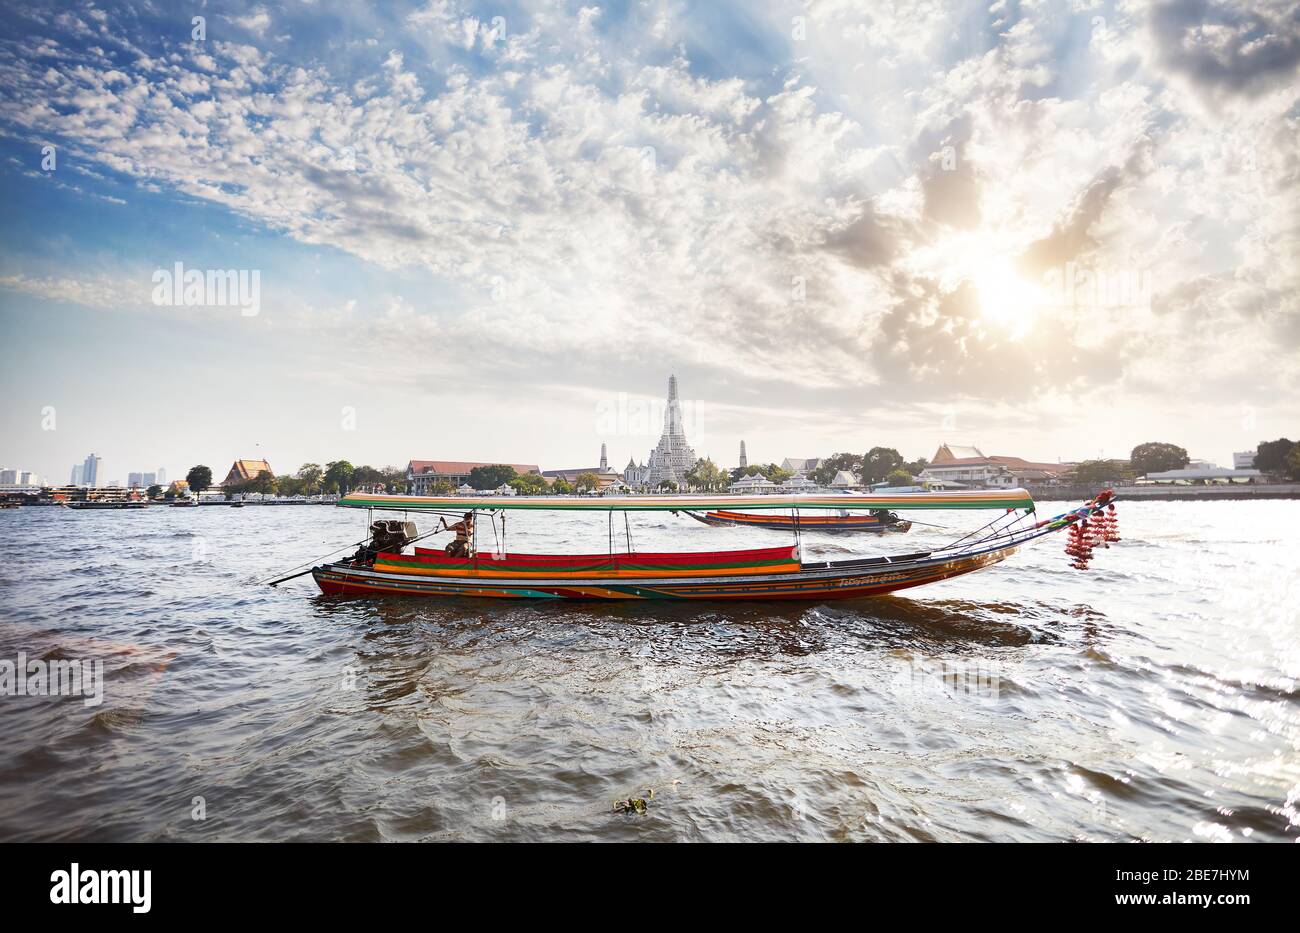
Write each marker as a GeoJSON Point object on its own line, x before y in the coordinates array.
{"type": "Point", "coordinates": [604, 461]}
{"type": "Point", "coordinates": [672, 457]}
{"type": "Point", "coordinates": [744, 460]}
{"type": "Point", "coordinates": [76, 476]}
{"type": "Point", "coordinates": [19, 477]}
{"type": "Point", "coordinates": [90, 471]}
{"type": "Point", "coordinates": [161, 476]}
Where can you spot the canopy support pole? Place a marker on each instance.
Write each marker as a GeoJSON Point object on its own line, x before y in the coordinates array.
{"type": "Point", "coordinates": [798, 540]}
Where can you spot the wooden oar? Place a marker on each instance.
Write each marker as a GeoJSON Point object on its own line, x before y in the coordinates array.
{"type": "Point", "coordinates": [292, 576]}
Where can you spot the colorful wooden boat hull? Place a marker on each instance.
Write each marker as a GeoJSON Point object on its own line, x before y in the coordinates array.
{"type": "Point", "coordinates": [837, 523]}
{"type": "Point", "coordinates": [817, 582]}
{"type": "Point", "coordinates": [762, 574]}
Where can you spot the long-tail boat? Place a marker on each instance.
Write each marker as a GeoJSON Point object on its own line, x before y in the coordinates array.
{"type": "Point", "coordinates": [880, 520]}
{"type": "Point", "coordinates": [382, 567]}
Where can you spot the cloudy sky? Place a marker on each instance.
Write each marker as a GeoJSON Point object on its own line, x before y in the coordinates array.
{"type": "Point", "coordinates": [491, 231]}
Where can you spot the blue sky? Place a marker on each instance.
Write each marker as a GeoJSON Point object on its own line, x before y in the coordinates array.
{"type": "Point", "coordinates": [479, 228]}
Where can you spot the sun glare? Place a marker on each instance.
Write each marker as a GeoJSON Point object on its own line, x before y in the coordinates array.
{"type": "Point", "coordinates": [1005, 297]}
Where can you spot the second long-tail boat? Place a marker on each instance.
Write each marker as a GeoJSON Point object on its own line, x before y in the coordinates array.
{"type": "Point", "coordinates": [383, 567]}
{"type": "Point", "coordinates": [881, 520]}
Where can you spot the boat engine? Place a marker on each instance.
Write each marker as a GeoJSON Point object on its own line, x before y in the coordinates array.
{"type": "Point", "coordinates": [387, 536]}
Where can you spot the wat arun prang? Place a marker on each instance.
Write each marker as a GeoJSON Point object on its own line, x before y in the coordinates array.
{"type": "Point", "coordinates": [672, 457]}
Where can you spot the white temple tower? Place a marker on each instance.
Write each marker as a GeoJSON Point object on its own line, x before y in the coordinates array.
{"type": "Point", "coordinates": [672, 457]}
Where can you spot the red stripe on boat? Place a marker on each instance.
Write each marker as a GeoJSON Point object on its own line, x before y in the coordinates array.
{"type": "Point", "coordinates": [435, 556]}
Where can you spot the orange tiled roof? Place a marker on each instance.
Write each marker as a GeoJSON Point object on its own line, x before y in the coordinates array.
{"type": "Point", "coordinates": [247, 469]}
{"type": "Point", "coordinates": [1014, 463]}
{"type": "Point", "coordinates": [1017, 463]}
{"type": "Point", "coordinates": [947, 454]}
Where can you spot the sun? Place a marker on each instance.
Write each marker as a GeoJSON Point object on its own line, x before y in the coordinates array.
{"type": "Point", "coordinates": [1005, 297]}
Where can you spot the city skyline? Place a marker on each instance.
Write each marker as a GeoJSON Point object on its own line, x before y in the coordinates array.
{"type": "Point", "coordinates": [438, 229]}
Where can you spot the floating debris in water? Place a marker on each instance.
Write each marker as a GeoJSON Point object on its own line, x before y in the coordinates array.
{"type": "Point", "coordinates": [634, 804]}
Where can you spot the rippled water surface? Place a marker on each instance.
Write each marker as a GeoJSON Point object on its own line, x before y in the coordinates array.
{"type": "Point", "coordinates": [1153, 697]}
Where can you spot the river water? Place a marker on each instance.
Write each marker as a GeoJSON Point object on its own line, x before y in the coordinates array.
{"type": "Point", "coordinates": [1153, 697]}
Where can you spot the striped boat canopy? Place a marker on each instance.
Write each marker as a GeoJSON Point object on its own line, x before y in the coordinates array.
{"type": "Point", "coordinates": [965, 499]}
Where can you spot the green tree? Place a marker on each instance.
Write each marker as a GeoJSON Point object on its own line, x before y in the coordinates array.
{"type": "Point", "coordinates": [1271, 456]}
{"type": "Point", "coordinates": [585, 482]}
{"type": "Point", "coordinates": [530, 484]}
{"type": "Point", "coordinates": [312, 476]}
{"type": "Point", "coordinates": [879, 462]}
{"type": "Point", "coordinates": [561, 487]}
{"type": "Point", "coordinates": [366, 476]}
{"type": "Point", "coordinates": [1156, 457]}
{"type": "Point", "coordinates": [338, 477]}
{"type": "Point", "coordinates": [153, 491]}
{"type": "Point", "coordinates": [829, 466]}
{"type": "Point", "coordinates": [666, 486]}
{"type": "Point", "coordinates": [394, 479]}
{"type": "Point", "coordinates": [771, 471]}
{"type": "Point", "coordinates": [1091, 472]}
{"type": "Point", "coordinates": [707, 475]}
{"type": "Point", "coordinates": [199, 477]}
{"type": "Point", "coordinates": [263, 483]}
{"type": "Point", "coordinates": [899, 478]}
{"type": "Point", "coordinates": [492, 476]}
{"type": "Point", "coordinates": [916, 467]}
{"type": "Point", "coordinates": [1293, 463]}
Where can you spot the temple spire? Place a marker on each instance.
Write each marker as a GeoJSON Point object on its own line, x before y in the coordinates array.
{"type": "Point", "coordinates": [744, 461]}
{"type": "Point", "coordinates": [673, 414]}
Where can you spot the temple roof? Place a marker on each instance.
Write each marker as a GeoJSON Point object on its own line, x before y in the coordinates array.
{"type": "Point", "coordinates": [246, 469]}
{"type": "Point", "coordinates": [949, 452]}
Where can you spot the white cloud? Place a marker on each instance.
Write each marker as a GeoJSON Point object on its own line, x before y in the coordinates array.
{"type": "Point", "coordinates": [596, 194]}
{"type": "Point", "coordinates": [255, 21]}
